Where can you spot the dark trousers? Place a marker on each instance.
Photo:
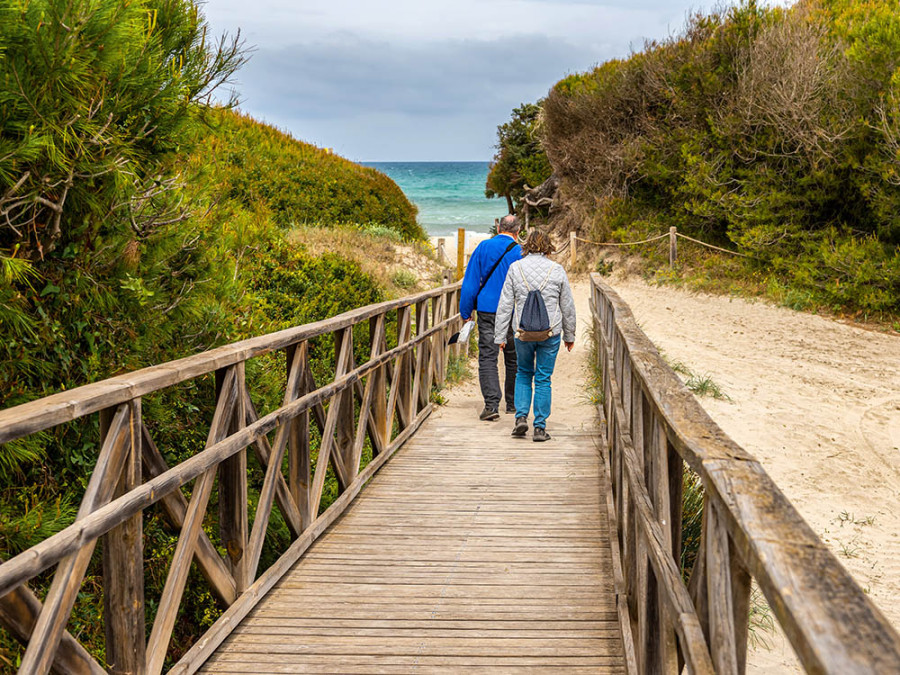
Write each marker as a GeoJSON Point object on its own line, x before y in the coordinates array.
{"type": "Point", "coordinates": [488, 353]}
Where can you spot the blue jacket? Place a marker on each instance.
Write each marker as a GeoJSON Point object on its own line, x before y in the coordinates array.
{"type": "Point", "coordinates": [483, 258]}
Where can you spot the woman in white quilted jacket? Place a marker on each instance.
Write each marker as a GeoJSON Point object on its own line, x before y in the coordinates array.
{"type": "Point", "coordinates": [536, 350]}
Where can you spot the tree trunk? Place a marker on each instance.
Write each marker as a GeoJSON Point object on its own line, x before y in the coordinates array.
{"type": "Point", "coordinates": [509, 204]}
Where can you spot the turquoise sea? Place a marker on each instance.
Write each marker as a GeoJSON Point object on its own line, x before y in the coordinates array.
{"type": "Point", "coordinates": [449, 194]}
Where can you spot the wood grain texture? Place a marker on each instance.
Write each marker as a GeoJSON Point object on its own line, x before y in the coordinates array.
{"type": "Point", "coordinates": [471, 549]}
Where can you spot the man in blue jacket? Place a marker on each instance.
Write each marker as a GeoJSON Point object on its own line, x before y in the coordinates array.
{"type": "Point", "coordinates": [480, 292]}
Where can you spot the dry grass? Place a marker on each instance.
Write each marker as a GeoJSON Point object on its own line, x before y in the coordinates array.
{"type": "Point", "coordinates": [400, 268]}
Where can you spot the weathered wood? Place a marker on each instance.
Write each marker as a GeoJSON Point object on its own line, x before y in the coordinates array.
{"type": "Point", "coordinates": [800, 577]}
{"type": "Point", "coordinates": [283, 497]}
{"type": "Point", "coordinates": [175, 505]}
{"type": "Point", "coordinates": [365, 406]}
{"type": "Point", "coordinates": [50, 411]}
{"type": "Point", "coordinates": [25, 566]}
{"type": "Point", "coordinates": [460, 252]}
{"type": "Point", "coordinates": [299, 458]}
{"type": "Point", "coordinates": [230, 401]}
{"type": "Point", "coordinates": [19, 610]}
{"type": "Point", "coordinates": [123, 562]}
{"type": "Point", "coordinates": [60, 598]}
{"type": "Point", "coordinates": [197, 654]}
{"type": "Point", "coordinates": [345, 428]}
{"type": "Point", "coordinates": [402, 382]}
{"type": "Point", "coordinates": [723, 641]}
{"type": "Point", "coordinates": [233, 523]}
{"type": "Point", "coordinates": [378, 416]}
{"type": "Point", "coordinates": [326, 447]}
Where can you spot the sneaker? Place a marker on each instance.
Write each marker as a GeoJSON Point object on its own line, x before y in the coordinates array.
{"type": "Point", "coordinates": [521, 427]}
{"type": "Point", "coordinates": [488, 415]}
{"type": "Point", "coordinates": [540, 435]}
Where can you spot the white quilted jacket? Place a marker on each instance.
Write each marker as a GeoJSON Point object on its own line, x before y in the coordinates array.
{"type": "Point", "coordinates": [536, 271]}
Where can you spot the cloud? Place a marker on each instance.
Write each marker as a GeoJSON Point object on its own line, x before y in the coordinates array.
{"type": "Point", "coordinates": [347, 74]}
{"type": "Point", "coordinates": [423, 79]}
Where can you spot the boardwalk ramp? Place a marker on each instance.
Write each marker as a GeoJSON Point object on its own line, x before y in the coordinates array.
{"type": "Point", "coordinates": [470, 550]}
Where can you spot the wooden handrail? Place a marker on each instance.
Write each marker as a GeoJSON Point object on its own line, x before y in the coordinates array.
{"type": "Point", "coordinates": [654, 426]}
{"type": "Point", "coordinates": [383, 400]}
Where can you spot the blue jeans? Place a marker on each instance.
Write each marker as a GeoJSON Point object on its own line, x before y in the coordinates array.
{"type": "Point", "coordinates": [536, 361]}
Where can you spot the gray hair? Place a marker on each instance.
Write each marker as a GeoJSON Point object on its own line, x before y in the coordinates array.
{"type": "Point", "coordinates": [509, 224]}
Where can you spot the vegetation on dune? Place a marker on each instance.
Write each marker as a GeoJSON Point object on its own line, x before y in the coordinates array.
{"type": "Point", "coordinates": [138, 224]}
{"type": "Point", "coordinates": [771, 131]}
{"type": "Point", "coordinates": [299, 183]}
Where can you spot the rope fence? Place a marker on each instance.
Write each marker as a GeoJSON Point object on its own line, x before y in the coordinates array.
{"type": "Point", "coordinates": [672, 235]}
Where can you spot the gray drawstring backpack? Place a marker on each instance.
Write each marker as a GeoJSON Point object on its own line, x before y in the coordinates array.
{"type": "Point", "coordinates": [534, 322]}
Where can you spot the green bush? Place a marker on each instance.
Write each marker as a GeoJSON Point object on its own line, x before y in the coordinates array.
{"type": "Point", "coordinates": [771, 131]}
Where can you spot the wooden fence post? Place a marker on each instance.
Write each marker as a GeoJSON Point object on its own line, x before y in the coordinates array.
{"type": "Point", "coordinates": [440, 250]}
{"type": "Point", "coordinates": [460, 252]}
{"type": "Point", "coordinates": [233, 523]}
{"type": "Point", "coordinates": [673, 246]}
{"type": "Point", "coordinates": [572, 253]}
{"type": "Point", "coordinates": [123, 563]}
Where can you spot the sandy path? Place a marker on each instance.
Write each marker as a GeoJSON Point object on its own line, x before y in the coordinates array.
{"type": "Point", "coordinates": [816, 401]}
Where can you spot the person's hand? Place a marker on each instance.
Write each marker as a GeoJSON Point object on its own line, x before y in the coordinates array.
{"type": "Point", "coordinates": [467, 320]}
{"type": "Point", "coordinates": [569, 345]}
{"type": "Point", "coordinates": [502, 346]}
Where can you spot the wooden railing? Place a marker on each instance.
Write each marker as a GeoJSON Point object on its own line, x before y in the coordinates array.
{"type": "Point", "coordinates": [654, 427]}
{"type": "Point", "coordinates": [383, 400]}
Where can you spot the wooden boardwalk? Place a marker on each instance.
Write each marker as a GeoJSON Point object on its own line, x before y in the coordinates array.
{"type": "Point", "coordinates": [468, 550]}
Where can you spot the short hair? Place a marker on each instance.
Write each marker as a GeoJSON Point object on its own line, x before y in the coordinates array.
{"type": "Point", "coordinates": [508, 224]}
{"type": "Point", "coordinates": [538, 242]}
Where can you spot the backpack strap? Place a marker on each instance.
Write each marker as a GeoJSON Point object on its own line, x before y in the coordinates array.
{"type": "Point", "coordinates": [491, 273]}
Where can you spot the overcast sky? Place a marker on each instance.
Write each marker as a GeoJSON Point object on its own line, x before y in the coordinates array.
{"type": "Point", "coordinates": [413, 80]}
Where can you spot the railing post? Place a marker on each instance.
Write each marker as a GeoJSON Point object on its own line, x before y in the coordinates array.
{"type": "Point", "coordinates": [404, 368]}
{"type": "Point", "coordinates": [233, 525]}
{"type": "Point", "coordinates": [572, 250]}
{"type": "Point", "coordinates": [123, 563]}
{"type": "Point", "coordinates": [379, 400]}
{"type": "Point", "coordinates": [345, 429]}
{"type": "Point", "coordinates": [299, 462]}
{"type": "Point", "coordinates": [460, 252]}
{"type": "Point", "coordinates": [673, 246]}
{"type": "Point", "coordinates": [440, 250]}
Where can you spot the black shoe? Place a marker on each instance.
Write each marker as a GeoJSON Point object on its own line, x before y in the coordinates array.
{"type": "Point", "coordinates": [521, 427]}
{"type": "Point", "coordinates": [488, 415]}
{"type": "Point", "coordinates": [540, 435]}
{"type": "Point", "coordinates": [510, 410]}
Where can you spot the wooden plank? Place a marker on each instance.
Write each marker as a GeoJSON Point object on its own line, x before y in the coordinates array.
{"type": "Point", "coordinates": [488, 562]}
{"type": "Point", "coordinates": [123, 563]}
{"type": "Point", "coordinates": [293, 516]}
{"type": "Point", "coordinates": [345, 428]}
{"type": "Point", "coordinates": [723, 641]}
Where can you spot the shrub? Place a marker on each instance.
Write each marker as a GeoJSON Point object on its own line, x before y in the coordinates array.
{"type": "Point", "coordinates": [773, 131]}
